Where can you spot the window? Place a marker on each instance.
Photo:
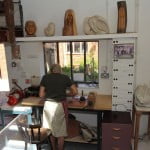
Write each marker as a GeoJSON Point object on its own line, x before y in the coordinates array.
{"type": "Point", "coordinates": [79, 60]}
{"type": "Point", "coordinates": [4, 81]}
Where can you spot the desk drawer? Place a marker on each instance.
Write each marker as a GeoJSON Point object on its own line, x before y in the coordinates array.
{"type": "Point", "coordinates": [116, 141]}
{"type": "Point", "coordinates": [116, 131]}
{"type": "Point", "coordinates": [112, 146]}
{"type": "Point", "coordinates": [119, 130]}
{"type": "Point", "coordinates": [116, 138]}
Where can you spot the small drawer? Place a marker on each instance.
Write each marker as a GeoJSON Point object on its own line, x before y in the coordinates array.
{"type": "Point", "coordinates": [118, 144]}
{"type": "Point", "coordinates": [116, 131]}
{"type": "Point", "coordinates": [116, 139]}
{"type": "Point", "coordinates": [120, 130]}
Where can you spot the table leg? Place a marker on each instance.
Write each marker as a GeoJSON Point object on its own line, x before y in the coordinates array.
{"type": "Point", "coordinates": [29, 119]}
{"type": "Point", "coordinates": [99, 125]}
{"type": "Point", "coordinates": [2, 118]}
{"type": "Point", "coordinates": [137, 125]}
{"type": "Point", "coordinates": [133, 123]}
{"type": "Point", "coordinates": [37, 114]}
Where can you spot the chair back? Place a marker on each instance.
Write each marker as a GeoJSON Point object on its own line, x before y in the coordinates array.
{"type": "Point", "coordinates": [22, 127]}
{"type": "Point", "coordinates": [39, 135]}
{"type": "Point", "coordinates": [35, 133]}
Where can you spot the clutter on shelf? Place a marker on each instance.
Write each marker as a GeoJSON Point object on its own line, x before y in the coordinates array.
{"type": "Point", "coordinates": [50, 29]}
{"type": "Point", "coordinates": [70, 27]}
{"type": "Point", "coordinates": [95, 25]}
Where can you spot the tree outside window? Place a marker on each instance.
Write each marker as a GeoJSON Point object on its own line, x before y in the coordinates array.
{"type": "Point", "coordinates": [79, 60]}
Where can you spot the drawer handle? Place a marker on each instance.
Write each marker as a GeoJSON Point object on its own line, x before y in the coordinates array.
{"type": "Point", "coordinates": [115, 137]}
{"type": "Point", "coordinates": [116, 129]}
{"type": "Point", "coordinates": [115, 148]}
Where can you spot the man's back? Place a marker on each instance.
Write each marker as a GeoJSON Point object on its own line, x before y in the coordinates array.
{"type": "Point", "coordinates": [55, 85]}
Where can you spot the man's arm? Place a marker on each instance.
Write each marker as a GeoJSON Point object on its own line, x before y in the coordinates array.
{"type": "Point", "coordinates": [42, 92]}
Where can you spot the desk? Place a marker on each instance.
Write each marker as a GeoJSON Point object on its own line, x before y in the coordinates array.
{"type": "Point", "coordinates": [102, 103]}
{"type": "Point", "coordinates": [17, 109]}
{"type": "Point", "coordinates": [137, 113]}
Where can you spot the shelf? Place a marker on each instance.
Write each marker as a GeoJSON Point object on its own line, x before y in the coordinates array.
{"type": "Point", "coordinates": [76, 38]}
{"type": "Point", "coordinates": [78, 139]}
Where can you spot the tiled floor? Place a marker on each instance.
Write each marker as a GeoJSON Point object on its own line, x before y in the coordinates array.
{"type": "Point", "coordinates": [75, 146]}
{"type": "Point", "coordinates": [144, 144]}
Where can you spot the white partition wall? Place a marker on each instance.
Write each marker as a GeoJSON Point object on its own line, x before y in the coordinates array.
{"type": "Point", "coordinates": [123, 80]}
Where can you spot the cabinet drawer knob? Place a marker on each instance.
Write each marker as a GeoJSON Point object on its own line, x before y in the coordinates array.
{"type": "Point", "coordinates": [129, 83]}
{"type": "Point", "coordinates": [116, 129]}
{"type": "Point", "coordinates": [115, 137]}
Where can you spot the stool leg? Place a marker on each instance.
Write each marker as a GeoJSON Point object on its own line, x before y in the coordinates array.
{"type": "Point", "coordinates": [29, 119]}
{"type": "Point", "coordinates": [3, 118]}
{"type": "Point", "coordinates": [137, 125]}
{"type": "Point", "coordinates": [148, 129]}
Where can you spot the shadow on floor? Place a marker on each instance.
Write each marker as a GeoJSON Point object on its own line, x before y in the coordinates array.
{"type": "Point", "coordinates": [75, 146]}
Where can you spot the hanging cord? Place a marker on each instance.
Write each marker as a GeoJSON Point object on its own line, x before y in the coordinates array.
{"type": "Point", "coordinates": [15, 83]}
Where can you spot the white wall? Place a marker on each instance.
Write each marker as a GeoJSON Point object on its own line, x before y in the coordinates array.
{"type": "Point", "coordinates": [32, 64]}
{"type": "Point", "coordinates": [43, 12]}
{"type": "Point", "coordinates": [53, 11]}
{"type": "Point", "coordinates": [143, 51]}
{"type": "Point", "coordinates": [50, 11]}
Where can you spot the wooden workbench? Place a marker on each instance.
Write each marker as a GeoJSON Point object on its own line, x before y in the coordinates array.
{"type": "Point", "coordinates": [102, 102]}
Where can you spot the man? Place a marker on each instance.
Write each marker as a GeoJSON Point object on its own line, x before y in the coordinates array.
{"type": "Point", "coordinates": [53, 88]}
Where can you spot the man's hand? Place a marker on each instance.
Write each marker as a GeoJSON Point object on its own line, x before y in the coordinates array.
{"type": "Point", "coordinates": [42, 92]}
{"type": "Point", "coordinates": [73, 90]}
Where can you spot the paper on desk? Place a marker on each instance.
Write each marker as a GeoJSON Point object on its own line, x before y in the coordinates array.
{"type": "Point", "coordinates": [22, 108]}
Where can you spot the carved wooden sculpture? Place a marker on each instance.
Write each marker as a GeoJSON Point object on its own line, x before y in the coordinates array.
{"type": "Point", "coordinates": [50, 29]}
{"type": "Point", "coordinates": [9, 15]}
{"type": "Point", "coordinates": [30, 28]}
{"type": "Point", "coordinates": [69, 23]}
{"type": "Point", "coordinates": [122, 17]}
{"type": "Point", "coordinates": [95, 25]}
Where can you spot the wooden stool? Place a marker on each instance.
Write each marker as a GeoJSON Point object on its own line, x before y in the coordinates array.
{"type": "Point", "coordinates": [137, 112]}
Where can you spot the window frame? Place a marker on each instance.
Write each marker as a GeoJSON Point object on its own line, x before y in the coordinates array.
{"type": "Point", "coordinates": [96, 84]}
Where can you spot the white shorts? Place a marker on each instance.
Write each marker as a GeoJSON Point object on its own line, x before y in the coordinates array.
{"type": "Point", "coordinates": [54, 118]}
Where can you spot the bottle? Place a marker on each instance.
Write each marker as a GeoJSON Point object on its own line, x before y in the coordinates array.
{"type": "Point", "coordinates": [82, 98]}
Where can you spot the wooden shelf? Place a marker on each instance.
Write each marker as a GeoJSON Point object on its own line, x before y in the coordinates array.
{"type": "Point", "coordinates": [77, 38]}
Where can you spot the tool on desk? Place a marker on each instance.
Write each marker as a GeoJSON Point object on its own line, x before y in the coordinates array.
{"type": "Point", "coordinates": [91, 98]}
{"type": "Point", "coordinates": [82, 98]}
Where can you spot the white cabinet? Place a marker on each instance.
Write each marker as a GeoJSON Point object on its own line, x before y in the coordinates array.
{"type": "Point", "coordinates": [123, 75]}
